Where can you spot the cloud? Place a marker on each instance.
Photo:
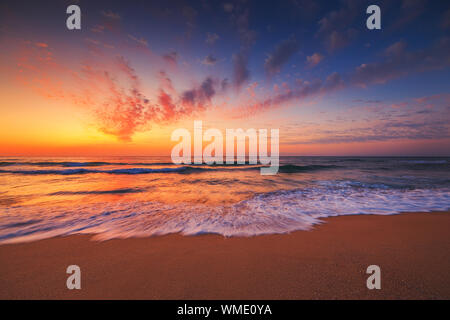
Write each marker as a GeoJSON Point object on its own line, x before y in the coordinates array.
{"type": "Point", "coordinates": [399, 62]}
{"type": "Point", "coordinates": [335, 28]}
{"type": "Point", "coordinates": [171, 58]}
{"type": "Point", "coordinates": [409, 11]}
{"type": "Point", "coordinates": [168, 108]}
{"type": "Point", "coordinates": [282, 53]}
{"type": "Point", "coordinates": [140, 41]}
{"type": "Point", "coordinates": [301, 90]}
{"type": "Point", "coordinates": [419, 119]}
{"type": "Point", "coordinates": [224, 84]}
{"type": "Point", "coordinates": [93, 41]}
{"type": "Point", "coordinates": [314, 59]}
{"type": "Point", "coordinates": [396, 62]}
{"type": "Point", "coordinates": [122, 109]}
{"type": "Point", "coordinates": [445, 97]}
{"type": "Point", "coordinates": [98, 28]}
{"type": "Point", "coordinates": [211, 38]}
{"type": "Point", "coordinates": [252, 88]}
{"type": "Point", "coordinates": [366, 101]}
{"type": "Point", "coordinates": [201, 95]}
{"type": "Point", "coordinates": [94, 45]}
{"type": "Point", "coordinates": [240, 70]}
{"type": "Point", "coordinates": [127, 110]}
{"type": "Point", "coordinates": [384, 131]}
{"type": "Point", "coordinates": [111, 15]}
{"type": "Point", "coordinates": [110, 90]}
{"type": "Point", "coordinates": [339, 39]}
{"type": "Point", "coordinates": [246, 35]}
{"type": "Point", "coordinates": [239, 18]}
{"type": "Point", "coordinates": [209, 60]}
{"type": "Point", "coordinates": [165, 82]}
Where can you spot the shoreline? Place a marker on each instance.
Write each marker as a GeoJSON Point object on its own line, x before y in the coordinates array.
{"type": "Point", "coordinates": [327, 262]}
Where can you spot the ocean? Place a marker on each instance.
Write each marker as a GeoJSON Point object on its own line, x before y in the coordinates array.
{"type": "Point", "coordinates": [122, 197]}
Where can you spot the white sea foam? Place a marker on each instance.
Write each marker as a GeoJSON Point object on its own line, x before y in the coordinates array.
{"type": "Point", "coordinates": [274, 212]}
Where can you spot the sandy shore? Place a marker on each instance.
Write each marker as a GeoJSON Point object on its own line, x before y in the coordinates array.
{"type": "Point", "coordinates": [329, 262]}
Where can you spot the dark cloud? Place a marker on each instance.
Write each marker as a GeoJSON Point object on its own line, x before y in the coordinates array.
{"type": "Point", "coordinates": [335, 28]}
{"type": "Point", "coordinates": [247, 36]}
{"type": "Point", "coordinates": [398, 62]}
{"type": "Point", "coordinates": [171, 58]}
{"type": "Point", "coordinates": [240, 70]}
{"type": "Point", "coordinates": [280, 56]}
{"type": "Point", "coordinates": [224, 84]}
{"type": "Point", "coordinates": [409, 11]}
{"type": "Point", "coordinates": [207, 88]}
{"type": "Point", "coordinates": [200, 95]}
{"type": "Point", "coordinates": [240, 19]}
{"type": "Point", "coordinates": [209, 60]}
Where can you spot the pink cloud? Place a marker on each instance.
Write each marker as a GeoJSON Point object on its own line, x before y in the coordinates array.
{"type": "Point", "coordinates": [110, 88]}
{"type": "Point", "coordinates": [314, 59]}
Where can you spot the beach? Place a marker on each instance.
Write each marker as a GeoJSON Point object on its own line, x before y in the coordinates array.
{"type": "Point", "coordinates": [327, 262]}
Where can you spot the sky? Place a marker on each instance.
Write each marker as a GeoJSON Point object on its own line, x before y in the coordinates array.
{"type": "Point", "coordinates": [138, 70]}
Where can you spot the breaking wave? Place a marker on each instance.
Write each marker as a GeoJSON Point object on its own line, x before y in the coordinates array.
{"type": "Point", "coordinates": [264, 213]}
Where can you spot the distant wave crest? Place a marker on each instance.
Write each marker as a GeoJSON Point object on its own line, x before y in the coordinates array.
{"type": "Point", "coordinates": [289, 168]}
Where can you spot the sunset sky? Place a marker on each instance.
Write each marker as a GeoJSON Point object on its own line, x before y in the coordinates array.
{"type": "Point", "coordinates": [137, 70]}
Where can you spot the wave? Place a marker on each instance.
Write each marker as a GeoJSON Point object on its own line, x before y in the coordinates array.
{"type": "Point", "coordinates": [265, 213]}
{"type": "Point", "coordinates": [72, 164]}
{"type": "Point", "coordinates": [292, 168]}
{"type": "Point", "coordinates": [115, 191]}
{"type": "Point", "coordinates": [289, 168]}
{"type": "Point", "coordinates": [425, 161]}
{"type": "Point", "coordinates": [79, 164]}
{"type": "Point", "coordinates": [87, 171]}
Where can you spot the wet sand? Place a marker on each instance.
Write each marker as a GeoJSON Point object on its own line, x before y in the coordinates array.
{"type": "Point", "coordinates": [328, 262]}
